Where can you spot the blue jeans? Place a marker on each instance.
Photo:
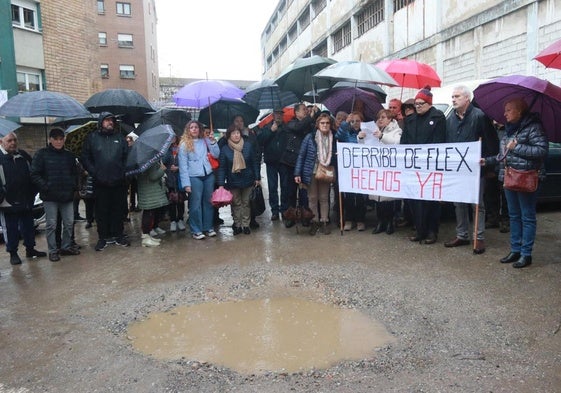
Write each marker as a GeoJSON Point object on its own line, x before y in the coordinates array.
{"type": "Point", "coordinates": [273, 176]}
{"type": "Point", "coordinates": [201, 212]}
{"type": "Point", "coordinates": [66, 210]}
{"type": "Point", "coordinates": [522, 213]}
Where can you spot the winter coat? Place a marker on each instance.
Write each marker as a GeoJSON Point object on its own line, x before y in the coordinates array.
{"type": "Point", "coordinates": [195, 163]}
{"type": "Point", "coordinates": [530, 151]}
{"type": "Point", "coordinates": [308, 158]}
{"type": "Point", "coordinates": [473, 126]}
{"type": "Point", "coordinates": [104, 156]}
{"type": "Point", "coordinates": [169, 159]}
{"type": "Point", "coordinates": [246, 177]}
{"type": "Point", "coordinates": [55, 173]}
{"type": "Point", "coordinates": [391, 134]}
{"type": "Point", "coordinates": [271, 143]}
{"type": "Point", "coordinates": [291, 140]}
{"type": "Point", "coordinates": [427, 128]}
{"type": "Point", "coordinates": [151, 188]}
{"type": "Point", "coordinates": [346, 133]}
{"type": "Point", "coordinates": [18, 189]}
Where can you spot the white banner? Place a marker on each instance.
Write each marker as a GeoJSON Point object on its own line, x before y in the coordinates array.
{"type": "Point", "coordinates": [437, 172]}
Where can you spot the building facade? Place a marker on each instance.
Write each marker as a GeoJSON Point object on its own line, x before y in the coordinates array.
{"type": "Point", "coordinates": [461, 40]}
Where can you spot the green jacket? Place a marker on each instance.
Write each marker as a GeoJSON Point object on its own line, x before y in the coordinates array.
{"type": "Point", "coordinates": [151, 188]}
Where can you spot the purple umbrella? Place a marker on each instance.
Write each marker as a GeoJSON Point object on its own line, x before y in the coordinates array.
{"type": "Point", "coordinates": [203, 93]}
{"type": "Point", "coordinates": [347, 98]}
{"type": "Point", "coordinates": [542, 97]}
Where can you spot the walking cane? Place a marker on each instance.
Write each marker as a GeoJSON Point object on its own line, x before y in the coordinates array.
{"type": "Point", "coordinates": [476, 218]}
{"type": "Point", "coordinates": [341, 212]}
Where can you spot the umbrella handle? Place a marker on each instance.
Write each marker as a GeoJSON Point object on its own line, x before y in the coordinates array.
{"type": "Point", "coordinates": [210, 116]}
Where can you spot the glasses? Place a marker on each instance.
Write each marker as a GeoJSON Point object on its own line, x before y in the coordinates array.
{"type": "Point", "coordinates": [418, 104]}
{"type": "Point", "coordinates": [322, 123]}
{"type": "Point", "coordinates": [354, 121]}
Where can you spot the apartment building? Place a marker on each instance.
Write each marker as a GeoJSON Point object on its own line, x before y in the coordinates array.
{"type": "Point", "coordinates": [78, 47]}
{"type": "Point", "coordinates": [462, 40]}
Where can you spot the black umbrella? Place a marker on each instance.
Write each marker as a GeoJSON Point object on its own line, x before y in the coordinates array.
{"type": "Point", "coordinates": [66, 122]}
{"type": "Point", "coordinates": [149, 148]}
{"type": "Point", "coordinates": [298, 76]}
{"type": "Point", "coordinates": [266, 94]}
{"type": "Point", "coordinates": [223, 112]}
{"type": "Point", "coordinates": [128, 103]}
{"type": "Point", "coordinates": [7, 126]}
{"type": "Point", "coordinates": [176, 118]}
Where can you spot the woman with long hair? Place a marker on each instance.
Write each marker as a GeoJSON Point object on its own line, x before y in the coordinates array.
{"type": "Point", "coordinates": [197, 177]}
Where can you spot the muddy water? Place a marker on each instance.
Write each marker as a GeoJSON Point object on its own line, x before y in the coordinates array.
{"type": "Point", "coordinates": [255, 336]}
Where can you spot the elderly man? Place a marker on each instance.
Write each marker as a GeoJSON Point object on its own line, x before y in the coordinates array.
{"type": "Point", "coordinates": [395, 106]}
{"type": "Point", "coordinates": [467, 124]}
{"type": "Point", "coordinates": [427, 125]}
{"type": "Point", "coordinates": [18, 194]}
{"type": "Point", "coordinates": [55, 172]}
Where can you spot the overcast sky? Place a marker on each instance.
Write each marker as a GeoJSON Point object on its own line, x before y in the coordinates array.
{"type": "Point", "coordinates": [218, 38]}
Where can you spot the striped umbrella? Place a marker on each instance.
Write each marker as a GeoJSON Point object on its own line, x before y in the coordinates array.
{"type": "Point", "coordinates": [266, 94]}
{"type": "Point", "coordinates": [149, 148]}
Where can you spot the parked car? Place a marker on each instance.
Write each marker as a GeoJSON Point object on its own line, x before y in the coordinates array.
{"type": "Point", "coordinates": [38, 215]}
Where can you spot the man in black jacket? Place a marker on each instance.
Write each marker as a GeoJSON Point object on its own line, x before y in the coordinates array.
{"type": "Point", "coordinates": [19, 194]}
{"type": "Point", "coordinates": [468, 124]}
{"type": "Point", "coordinates": [104, 156]}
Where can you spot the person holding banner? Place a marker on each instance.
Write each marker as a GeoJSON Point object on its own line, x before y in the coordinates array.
{"type": "Point", "coordinates": [524, 147]}
{"type": "Point", "coordinates": [467, 124]}
{"type": "Point", "coordinates": [388, 133]}
{"type": "Point", "coordinates": [427, 125]}
{"type": "Point", "coordinates": [353, 204]}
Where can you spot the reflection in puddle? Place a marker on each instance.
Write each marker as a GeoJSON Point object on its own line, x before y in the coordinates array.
{"type": "Point", "coordinates": [255, 336]}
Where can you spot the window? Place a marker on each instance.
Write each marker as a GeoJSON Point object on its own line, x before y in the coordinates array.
{"type": "Point", "coordinates": [282, 46]}
{"type": "Point", "coordinates": [28, 81]}
{"type": "Point", "coordinates": [342, 37]}
{"type": "Point", "coordinates": [318, 6]}
{"type": "Point", "coordinates": [102, 38]}
{"type": "Point", "coordinates": [100, 7]}
{"type": "Point", "coordinates": [399, 4]}
{"type": "Point", "coordinates": [126, 71]}
{"type": "Point", "coordinates": [124, 40]}
{"type": "Point", "coordinates": [304, 19]}
{"type": "Point", "coordinates": [105, 71]}
{"type": "Point", "coordinates": [321, 49]}
{"type": "Point", "coordinates": [123, 8]}
{"type": "Point", "coordinates": [371, 15]}
{"type": "Point", "coordinates": [25, 16]}
{"type": "Point", "coordinates": [292, 33]}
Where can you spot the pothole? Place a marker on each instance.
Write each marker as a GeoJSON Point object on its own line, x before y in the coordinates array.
{"type": "Point", "coordinates": [285, 334]}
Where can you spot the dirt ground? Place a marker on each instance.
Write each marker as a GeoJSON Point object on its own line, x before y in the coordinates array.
{"type": "Point", "coordinates": [462, 322]}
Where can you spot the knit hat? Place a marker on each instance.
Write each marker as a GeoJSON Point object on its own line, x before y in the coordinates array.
{"type": "Point", "coordinates": [425, 95]}
{"type": "Point", "coordinates": [56, 133]}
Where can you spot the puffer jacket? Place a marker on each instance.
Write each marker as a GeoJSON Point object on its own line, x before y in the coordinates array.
{"type": "Point", "coordinates": [308, 158]}
{"type": "Point", "coordinates": [346, 133]}
{"type": "Point", "coordinates": [104, 155]}
{"type": "Point", "coordinates": [151, 188]}
{"type": "Point", "coordinates": [55, 173]}
{"type": "Point", "coordinates": [246, 177]}
{"type": "Point", "coordinates": [530, 151]}
{"type": "Point", "coordinates": [19, 190]}
{"type": "Point", "coordinates": [427, 128]}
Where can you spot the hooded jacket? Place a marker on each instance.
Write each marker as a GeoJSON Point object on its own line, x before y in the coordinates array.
{"type": "Point", "coordinates": [104, 155]}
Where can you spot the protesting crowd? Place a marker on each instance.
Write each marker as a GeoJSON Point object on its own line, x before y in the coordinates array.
{"type": "Point", "coordinates": [300, 157]}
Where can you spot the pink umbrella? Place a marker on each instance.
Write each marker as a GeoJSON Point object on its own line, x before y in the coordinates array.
{"type": "Point", "coordinates": [551, 56]}
{"type": "Point", "coordinates": [410, 73]}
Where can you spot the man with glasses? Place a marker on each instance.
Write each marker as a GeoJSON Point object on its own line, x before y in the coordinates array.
{"type": "Point", "coordinates": [427, 125]}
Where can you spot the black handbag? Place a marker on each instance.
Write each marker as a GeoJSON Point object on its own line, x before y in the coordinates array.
{"type": "Point", "coordinates": [257, 201]}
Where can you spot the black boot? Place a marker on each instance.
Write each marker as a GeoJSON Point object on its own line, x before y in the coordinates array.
{"type": "Point", "coordinates": [524, 261]}
{"type": "Point", "coordinates": [390, 228]}
{"type": "Point", "coordinates": [381, 227]}
{"type": "Point", "coordinates": [511, 257]}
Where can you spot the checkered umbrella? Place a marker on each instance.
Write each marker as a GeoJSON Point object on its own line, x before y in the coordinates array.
{"type": "Point", "coordinates": [266, 94]}
{"type": "Point", "coordinates": [42, 104]}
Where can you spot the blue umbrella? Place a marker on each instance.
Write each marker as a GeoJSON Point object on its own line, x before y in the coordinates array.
{"type": "Point", "coordinates": [7, 126]}
{"type": "Point", "coordinates": [42, 104]}
{"type": "Point", "coordinates": [149, 148]}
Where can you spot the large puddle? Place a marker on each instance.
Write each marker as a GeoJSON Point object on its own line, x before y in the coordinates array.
{"type": "Point", "coordinates": [256, 336]}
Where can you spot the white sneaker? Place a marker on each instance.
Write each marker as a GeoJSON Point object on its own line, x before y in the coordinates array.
{"type": "Point", "coordinates": [147, 241]}
{"type": "Point", "coordinates": [181, 225]}
{"type": "Point", "coordinates": [153, 233]}
{"type": "Point", "coordinates": [159, 231]}
{"type": "Point", "coordinates": [211, 233]}
{"type": "Point", "coordinates": [198, 236]}
{"type": "Point", "coordinates": [173, 226]}
{"type": "Point", "coordinates": [155, 239]}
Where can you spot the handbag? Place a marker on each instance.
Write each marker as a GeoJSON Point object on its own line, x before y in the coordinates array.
{"type": "Point", "coordinates": [176, 197]}
{"type": "Point", "coordinates": [221, 197]}
{"type": "Point", "coordinates": [521, 181]}
{"type": "Point", "coordinates": [325, 173]}
{"type": "Point", "coordinates": [257, 201]}
{"type": "Point", "coordinates": [214, 162]}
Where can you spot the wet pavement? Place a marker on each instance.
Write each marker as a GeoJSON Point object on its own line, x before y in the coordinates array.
{"type": "Point", "coordinates": [460, 322]}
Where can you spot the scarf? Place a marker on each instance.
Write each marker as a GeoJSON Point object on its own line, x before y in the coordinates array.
{"type": "Point", "coordinates": [239, 162]}
{"type": "Point", "coordinates": [324, 146]}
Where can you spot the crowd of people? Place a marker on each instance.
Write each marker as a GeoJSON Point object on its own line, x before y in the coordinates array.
{"type": "Point", "coordinates": [294, 154]}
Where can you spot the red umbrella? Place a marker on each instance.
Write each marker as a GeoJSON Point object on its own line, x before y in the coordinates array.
{"type": "Point", "coordinates": [551, 56]}
{"type": "Point", "coordinates": [286, 117]}
{"type": "Point", "coordinates": [410, 73]}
